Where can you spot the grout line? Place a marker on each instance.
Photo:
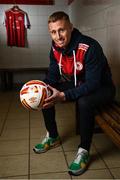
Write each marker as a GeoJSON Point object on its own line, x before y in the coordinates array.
{"type": "Point", "coordinates": [50, 173]}
{"type": "Point", "coordinates": [12, 155]}
{"type": "Point", "coordinates": [65, 159]}
{"type": "Point", "coordinates": [104, 161]}
{"type": "Point", "coordinates": [12, 140]}
{"type": "Point", "coordinates": [10, 177]}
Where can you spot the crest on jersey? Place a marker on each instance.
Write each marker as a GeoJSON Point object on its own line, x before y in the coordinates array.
{"type": "Point", "coordinates": [79, 66]}
{"type": "Point", "coordinates": [20, 18]}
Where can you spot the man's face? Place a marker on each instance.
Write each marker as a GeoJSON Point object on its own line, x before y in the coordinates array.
{"type": "Point", "coordinates": [60, 32]}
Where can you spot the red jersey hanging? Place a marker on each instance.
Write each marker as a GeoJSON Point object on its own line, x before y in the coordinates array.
{"type": "Point", "coordinates": [16, 22]}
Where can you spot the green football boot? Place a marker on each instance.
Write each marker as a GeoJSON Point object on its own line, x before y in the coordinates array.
{"type": "Point", "coordinates": [80, 163]}
{"type": "Point", "coordinates": [46, 144]}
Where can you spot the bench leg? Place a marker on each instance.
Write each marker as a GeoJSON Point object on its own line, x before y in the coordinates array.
{"type": "Point", "coordinates": [9, 80]}
{"type": "Point", "coordinates": [6, 80]}
{"type": "Point", "coordinates": [3, 81]}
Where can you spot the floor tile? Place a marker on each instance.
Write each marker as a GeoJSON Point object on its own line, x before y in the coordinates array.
{"type": "Point", "coordinates": [36, 114]}
{"type": "Point", "coordinates": [116, 172]}
{"type": "Point", "coordinates": [16, 122]}
{"type": "Point", "coordinates": [66, 132]}
{"type": "Point", "coordinates": [36, 122]}
{"type": "Point", "coordinates": [62, 176]}
{"type": "Point", "coordinates": [14, 147]}
{"type": "Point", "coordinates": [95, 174]}
{"type": "Point", "coordinates": [16, 108]}
{"type": "Point", "coordinates": [47, 162]}
{"type": "Point", "coordinates": [16, 134]}
{"type": "Point", "coordinates": [20, 115]}
{"type": "Point", "coordinates": [17, 177]}
{"type": "Point", "coordinates": [13, 165]}
{"type": "Point", "coordinates": [111, 157]}
{"type": "Point", "coordinates": [37, 132]}
{"type": "Point", "coordinates": [71, 143]}
{"type": "Point", "coordinates": [108, 151]}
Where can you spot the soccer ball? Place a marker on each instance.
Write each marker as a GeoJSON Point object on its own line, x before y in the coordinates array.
{"type": "Point", "coordinates": [33, 94]}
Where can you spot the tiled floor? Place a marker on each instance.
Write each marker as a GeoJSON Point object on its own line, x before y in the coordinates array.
{"type": "Point", "coordinates": [20, 130]}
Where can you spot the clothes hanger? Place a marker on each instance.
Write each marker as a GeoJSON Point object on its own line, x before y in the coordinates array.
{"type": "Point", "coordinates": [15, 6]}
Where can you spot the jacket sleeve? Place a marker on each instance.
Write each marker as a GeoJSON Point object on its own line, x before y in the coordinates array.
{"type": "Point", "coordinates": [53, 75]}
{"type": "Point", "coordinates": [94, 62]}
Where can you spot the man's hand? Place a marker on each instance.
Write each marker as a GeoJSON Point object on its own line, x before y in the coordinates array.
{"type": "Point", "coordinates": [56, 96]}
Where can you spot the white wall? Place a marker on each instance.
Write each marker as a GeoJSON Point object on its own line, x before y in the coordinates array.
{"type": "Point", "coordinates": [101, 20]}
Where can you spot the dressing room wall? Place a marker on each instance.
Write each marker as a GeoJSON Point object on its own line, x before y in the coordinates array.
{"type": "Point", "coordinates": [101, 20]}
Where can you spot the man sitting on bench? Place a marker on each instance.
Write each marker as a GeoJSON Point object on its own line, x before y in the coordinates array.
{"type": "Point", "coordinates": [79, 72]}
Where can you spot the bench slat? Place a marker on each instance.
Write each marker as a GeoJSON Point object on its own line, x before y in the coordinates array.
{"type": "Point", "coordinates": [112, 122]}
{"type": "Point", "coordinates": [117, 108]}
{"type": "Point", "coordinates": [114, 115]}
{"type": "Point", "coordinates": [115, 137]}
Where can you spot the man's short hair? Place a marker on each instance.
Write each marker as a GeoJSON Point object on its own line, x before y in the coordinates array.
{"type": "Point", "coordinates": [59, 15]}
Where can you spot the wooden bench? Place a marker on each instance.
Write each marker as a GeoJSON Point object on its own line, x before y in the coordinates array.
{"type": "Point", "coordinates": [7, 74]}
{"type": "Point", "coordinates": [108, 119]}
